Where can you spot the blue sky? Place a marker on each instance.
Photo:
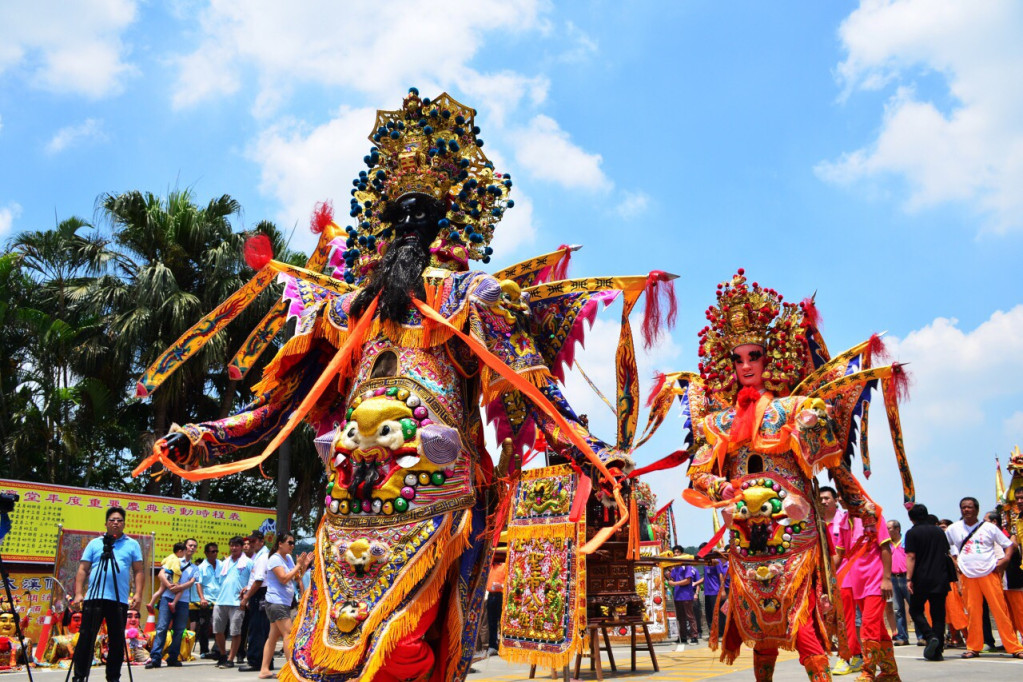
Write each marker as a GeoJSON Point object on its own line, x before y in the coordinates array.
{"type": "Point", "coordinates": [871, 152]}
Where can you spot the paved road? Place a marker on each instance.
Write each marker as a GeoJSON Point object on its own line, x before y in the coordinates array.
{"type": "Point", "coordinates": [696, 663]}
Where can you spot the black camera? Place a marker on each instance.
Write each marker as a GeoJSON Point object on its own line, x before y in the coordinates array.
{"type": "Point", "coordinates": [7, 501]}
{"type": "Point", "coordinates": [108, 546]}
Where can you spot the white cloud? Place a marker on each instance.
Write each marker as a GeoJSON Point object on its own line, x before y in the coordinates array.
{"type": "Point", "coordinates": [7, 216]}
{"type": "Point", "coordinates": [632, 205]}
{"type": "Point", "coordinates": [284, 48]}
{"type": "Point", "coordinates": [516, 229]}
{"type": "Point", "coordinates": [972, 153]}
{"type": "Point", "coordinates": [89, 129]}
{"type": "Point", "coordinates": [545, 151]}
{"type": "Point", "coordinates": [959, 416]}
{"type": "Point", "coordinates": [581, 46]}
{"type": "Point", "coordinates": [303, 166]}
{"type": "Point", "coordinates": [67, 47]}
{"type": "Point", "coordinates": [352, 44]}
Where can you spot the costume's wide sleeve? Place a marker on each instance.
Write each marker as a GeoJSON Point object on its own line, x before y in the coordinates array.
{"type": "Point", "coordinates": [258, 420]}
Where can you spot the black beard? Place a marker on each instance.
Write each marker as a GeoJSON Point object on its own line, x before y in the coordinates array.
{"type": "Point", "coordinates": [397, 279]}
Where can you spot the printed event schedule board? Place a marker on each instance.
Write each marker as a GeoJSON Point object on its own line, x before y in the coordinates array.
{"type": "Point", "coordinates": [43, 507]}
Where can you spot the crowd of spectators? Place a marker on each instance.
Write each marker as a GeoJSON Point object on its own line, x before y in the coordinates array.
{"type": "Point", "coordinates": [246, 598]}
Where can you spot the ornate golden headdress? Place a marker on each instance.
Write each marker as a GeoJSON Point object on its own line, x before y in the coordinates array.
{"type": "Point", "coordinates": [754, 314]}
{"type": "Point", "coordinates": [427, 147]}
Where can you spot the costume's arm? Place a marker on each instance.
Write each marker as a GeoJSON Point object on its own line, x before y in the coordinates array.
{"type": "Point", "coordinates": [703, 474]}
{"type": "Point", "coordinates": [854, 497]}
{"type": "Point", "coordinates": [199, 443]}
{"type": "Point", "coordinates": [497, 319]}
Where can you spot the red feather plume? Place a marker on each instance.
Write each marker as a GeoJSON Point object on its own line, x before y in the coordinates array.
{"type": "Point", "coordinates": [560, 269]}
{"type": "Point", "coordinates": [876, 349]}
{"type": "Point", "coordinates": [258, 251]}
{"type": "Point", "coordinates": [658, 286]}
{"type": "Point", "coordinates": [902, 380]}
{"type": "Point", "coordinates": [810, 312]}
{"type": "Point", "coordinates": [323, 215]}
{"type": "Point", "coordinates": [659, 379]}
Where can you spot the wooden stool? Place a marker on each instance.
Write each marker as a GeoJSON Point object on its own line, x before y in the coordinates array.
{"type": "Point", "coordinates": [601, 626]}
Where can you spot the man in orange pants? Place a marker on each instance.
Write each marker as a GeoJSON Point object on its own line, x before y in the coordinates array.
{"type": "Point", "coordinates": [972, 543]}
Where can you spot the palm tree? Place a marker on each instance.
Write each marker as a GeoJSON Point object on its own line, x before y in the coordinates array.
{"type": "Point", "coordinates": [177, 261]}
{"type": "Point", "coordinates": [57, 338]}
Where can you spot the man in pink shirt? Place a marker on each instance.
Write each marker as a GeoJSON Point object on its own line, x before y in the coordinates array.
{"type": "Point", "coordinates": [869, 580]}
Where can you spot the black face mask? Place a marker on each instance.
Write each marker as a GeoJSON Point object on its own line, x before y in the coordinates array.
{"type": "Point", "coordinates": [399, 276]}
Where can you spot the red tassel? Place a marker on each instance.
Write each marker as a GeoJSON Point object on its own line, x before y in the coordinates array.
{"type": "Point", "coordinates": [323, 215]}
{"type": "Point", "coordinates": [902, 380]}
{"type": "Point", "coordinates": [810, 312]}
{"type": "Point", "coordinates": [658, 286]}
{"type": "Point", "coordinates": [258, 251]}
{"type": "Point", "coordinates": [659, 379]}
{"type": "Point", "coordinates": [560, 269]}
{"type": "Point", "coordinates": [876, 349]}
{"type": "Point", "coordinates": [712, 543]}
{"type": "Point", "coordinates": [671, 461]}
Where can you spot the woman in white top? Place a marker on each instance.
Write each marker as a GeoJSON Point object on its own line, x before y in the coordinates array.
{"type": "Point", "coordinates": [282, 574]}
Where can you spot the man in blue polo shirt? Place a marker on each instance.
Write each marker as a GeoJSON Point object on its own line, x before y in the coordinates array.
{"type": "Point", "coordinates": [106, 594]}
{"type": "Point", "coordinates": [233, 574]}
{"type": "Point", "coordinates": [209, 579]}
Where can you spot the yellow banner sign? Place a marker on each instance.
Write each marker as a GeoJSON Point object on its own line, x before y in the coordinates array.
{"type": "Point", "coordinates": [42, 508]}
{"type": "Point", "coordinates": [31, 592]}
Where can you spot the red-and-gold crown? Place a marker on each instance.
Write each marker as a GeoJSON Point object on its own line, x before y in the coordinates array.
{"type": "Point", "coordinates": [747, 314]}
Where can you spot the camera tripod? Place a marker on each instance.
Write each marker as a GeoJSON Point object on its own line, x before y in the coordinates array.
{"type": "Point", "coordinates": [97, 588]}
{"type": "Point", "coordinates": [5, 527]}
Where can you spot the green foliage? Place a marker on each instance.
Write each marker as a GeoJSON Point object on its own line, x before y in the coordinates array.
{"type": "Point", "coordinates": [84, 310]}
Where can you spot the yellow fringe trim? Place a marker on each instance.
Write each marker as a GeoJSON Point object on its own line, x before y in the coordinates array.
{"type": "Point", "coordinates": [445, 550]}
{"type": "Point", "coordinates": [455, 624]}
{"type": "Point", "coordinates": [554, 531]}
{"type": "Point", "coordinates": [541, 658]}
{"type": "Point", "coordinates": [494, 385]}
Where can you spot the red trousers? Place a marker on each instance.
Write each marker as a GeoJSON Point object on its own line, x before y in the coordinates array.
{"type": "Point", "coordinates": [872, 627]}
{"type": "Point", "coordinates": [413, 658]}
{"type": "Point", "coordinates": [849, 613]}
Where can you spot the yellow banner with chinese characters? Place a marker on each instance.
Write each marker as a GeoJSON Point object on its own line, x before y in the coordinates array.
{"type": "Point", "coordinates": [43, 507]}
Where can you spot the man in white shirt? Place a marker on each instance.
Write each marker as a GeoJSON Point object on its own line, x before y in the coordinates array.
{"type": "Point", "coordinates": [973, 545]}
{"type": "Point", "coordinates": [255, 593]}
